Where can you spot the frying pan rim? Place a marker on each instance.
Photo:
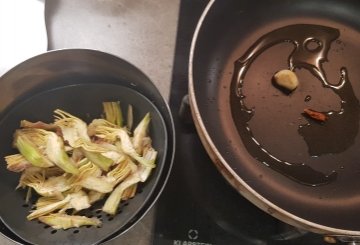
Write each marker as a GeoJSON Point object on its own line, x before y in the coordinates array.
{"type": "Point", "coordinates": [166, 116]}
{"type": "Point", "coordinates": [229, 174]}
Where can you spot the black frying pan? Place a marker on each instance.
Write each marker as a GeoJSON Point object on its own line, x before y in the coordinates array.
{"type": "Point", "coordinates": [78, 81]}
{"type": "Point", "coordinates": [301, 171]}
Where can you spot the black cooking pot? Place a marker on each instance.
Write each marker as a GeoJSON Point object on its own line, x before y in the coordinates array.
{"type": "Point", "coordinates": [78, 81]}
{"type": "Point", "coordinates": [302, 171]}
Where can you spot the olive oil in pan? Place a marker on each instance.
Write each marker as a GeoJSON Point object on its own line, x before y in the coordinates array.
{"type": "Point", "coordinates": [312, 43]}
{"type": "Point", "coordinates": [338, 133]}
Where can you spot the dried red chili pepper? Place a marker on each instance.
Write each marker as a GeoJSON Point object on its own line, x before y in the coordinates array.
{"type": "Point", "coordinates": [316, 115]}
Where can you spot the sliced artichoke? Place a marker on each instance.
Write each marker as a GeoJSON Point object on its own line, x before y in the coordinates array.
{"type": "Point", "coordinates": [64, 221]}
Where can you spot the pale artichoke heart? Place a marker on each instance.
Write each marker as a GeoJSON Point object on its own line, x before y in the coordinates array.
{"type": "Point", "coordinates": [108, 146]}
{"type": "Point", "coordinates": [32, 175]}
{"type": "Point", "coordinates": [89, 146]}
{"type": "Point", "coordinates": [99, 160]}
{"type": "Point", "coordinates": [95, 196]}
{"type": "Point", "coordinates": [72, 128]}
{"type": "Point", "coordinates": [99, 122]}
{"type": "Point", "coordinates": [95, 153]}
{"type": "Point", "coordinates": [114, 199]}
{"type": "Point", "coordinates": [128, 148]}
{"type": "Point", "coordinates": [91, 179]}
{"type": "Point", "coordinates": [144, 171]}
{"type": "Point", "coordinates": [30, 144]}
{"type": "Point", "coordinates": [48, 208]}
{"type": "Point", "coordinates": [43, 149]}
{"type": "Point", "coordinates": [53, 186]}
{"type": "Point", "coordinates": [141, 174]}
{"type": "Point", "coordinates": [86, 168]}
{"type": "Point", "coordinates": [113, 113]}
{"type": "Point", "coordinates": [122, 170]}
{"type": "Point", "coordinates": [56, 153]}
{"type": "Point", "coordinates": [125, 142]}
{"type": "Point", "coordinates": [115, 156]}
{"type": "Point", "coordinates": [64, 221]}
{"type": "Point", "coordinates": [44, 201]}
{"type": "Point", "coordinates": [103, 129]}
{"type": "Point", "coordinates": [140, 133]}
{"type": "Point", "coordinates": [99, 184]}
{"type": "Point", "coordinates": [79, 201]}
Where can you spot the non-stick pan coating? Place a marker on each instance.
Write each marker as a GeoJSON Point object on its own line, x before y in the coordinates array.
{"type": "Point", "coordinates": [226, 33]}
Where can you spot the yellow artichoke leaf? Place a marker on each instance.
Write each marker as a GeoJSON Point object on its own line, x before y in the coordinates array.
{"type": "Point", "coordinates": [64, 221]}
